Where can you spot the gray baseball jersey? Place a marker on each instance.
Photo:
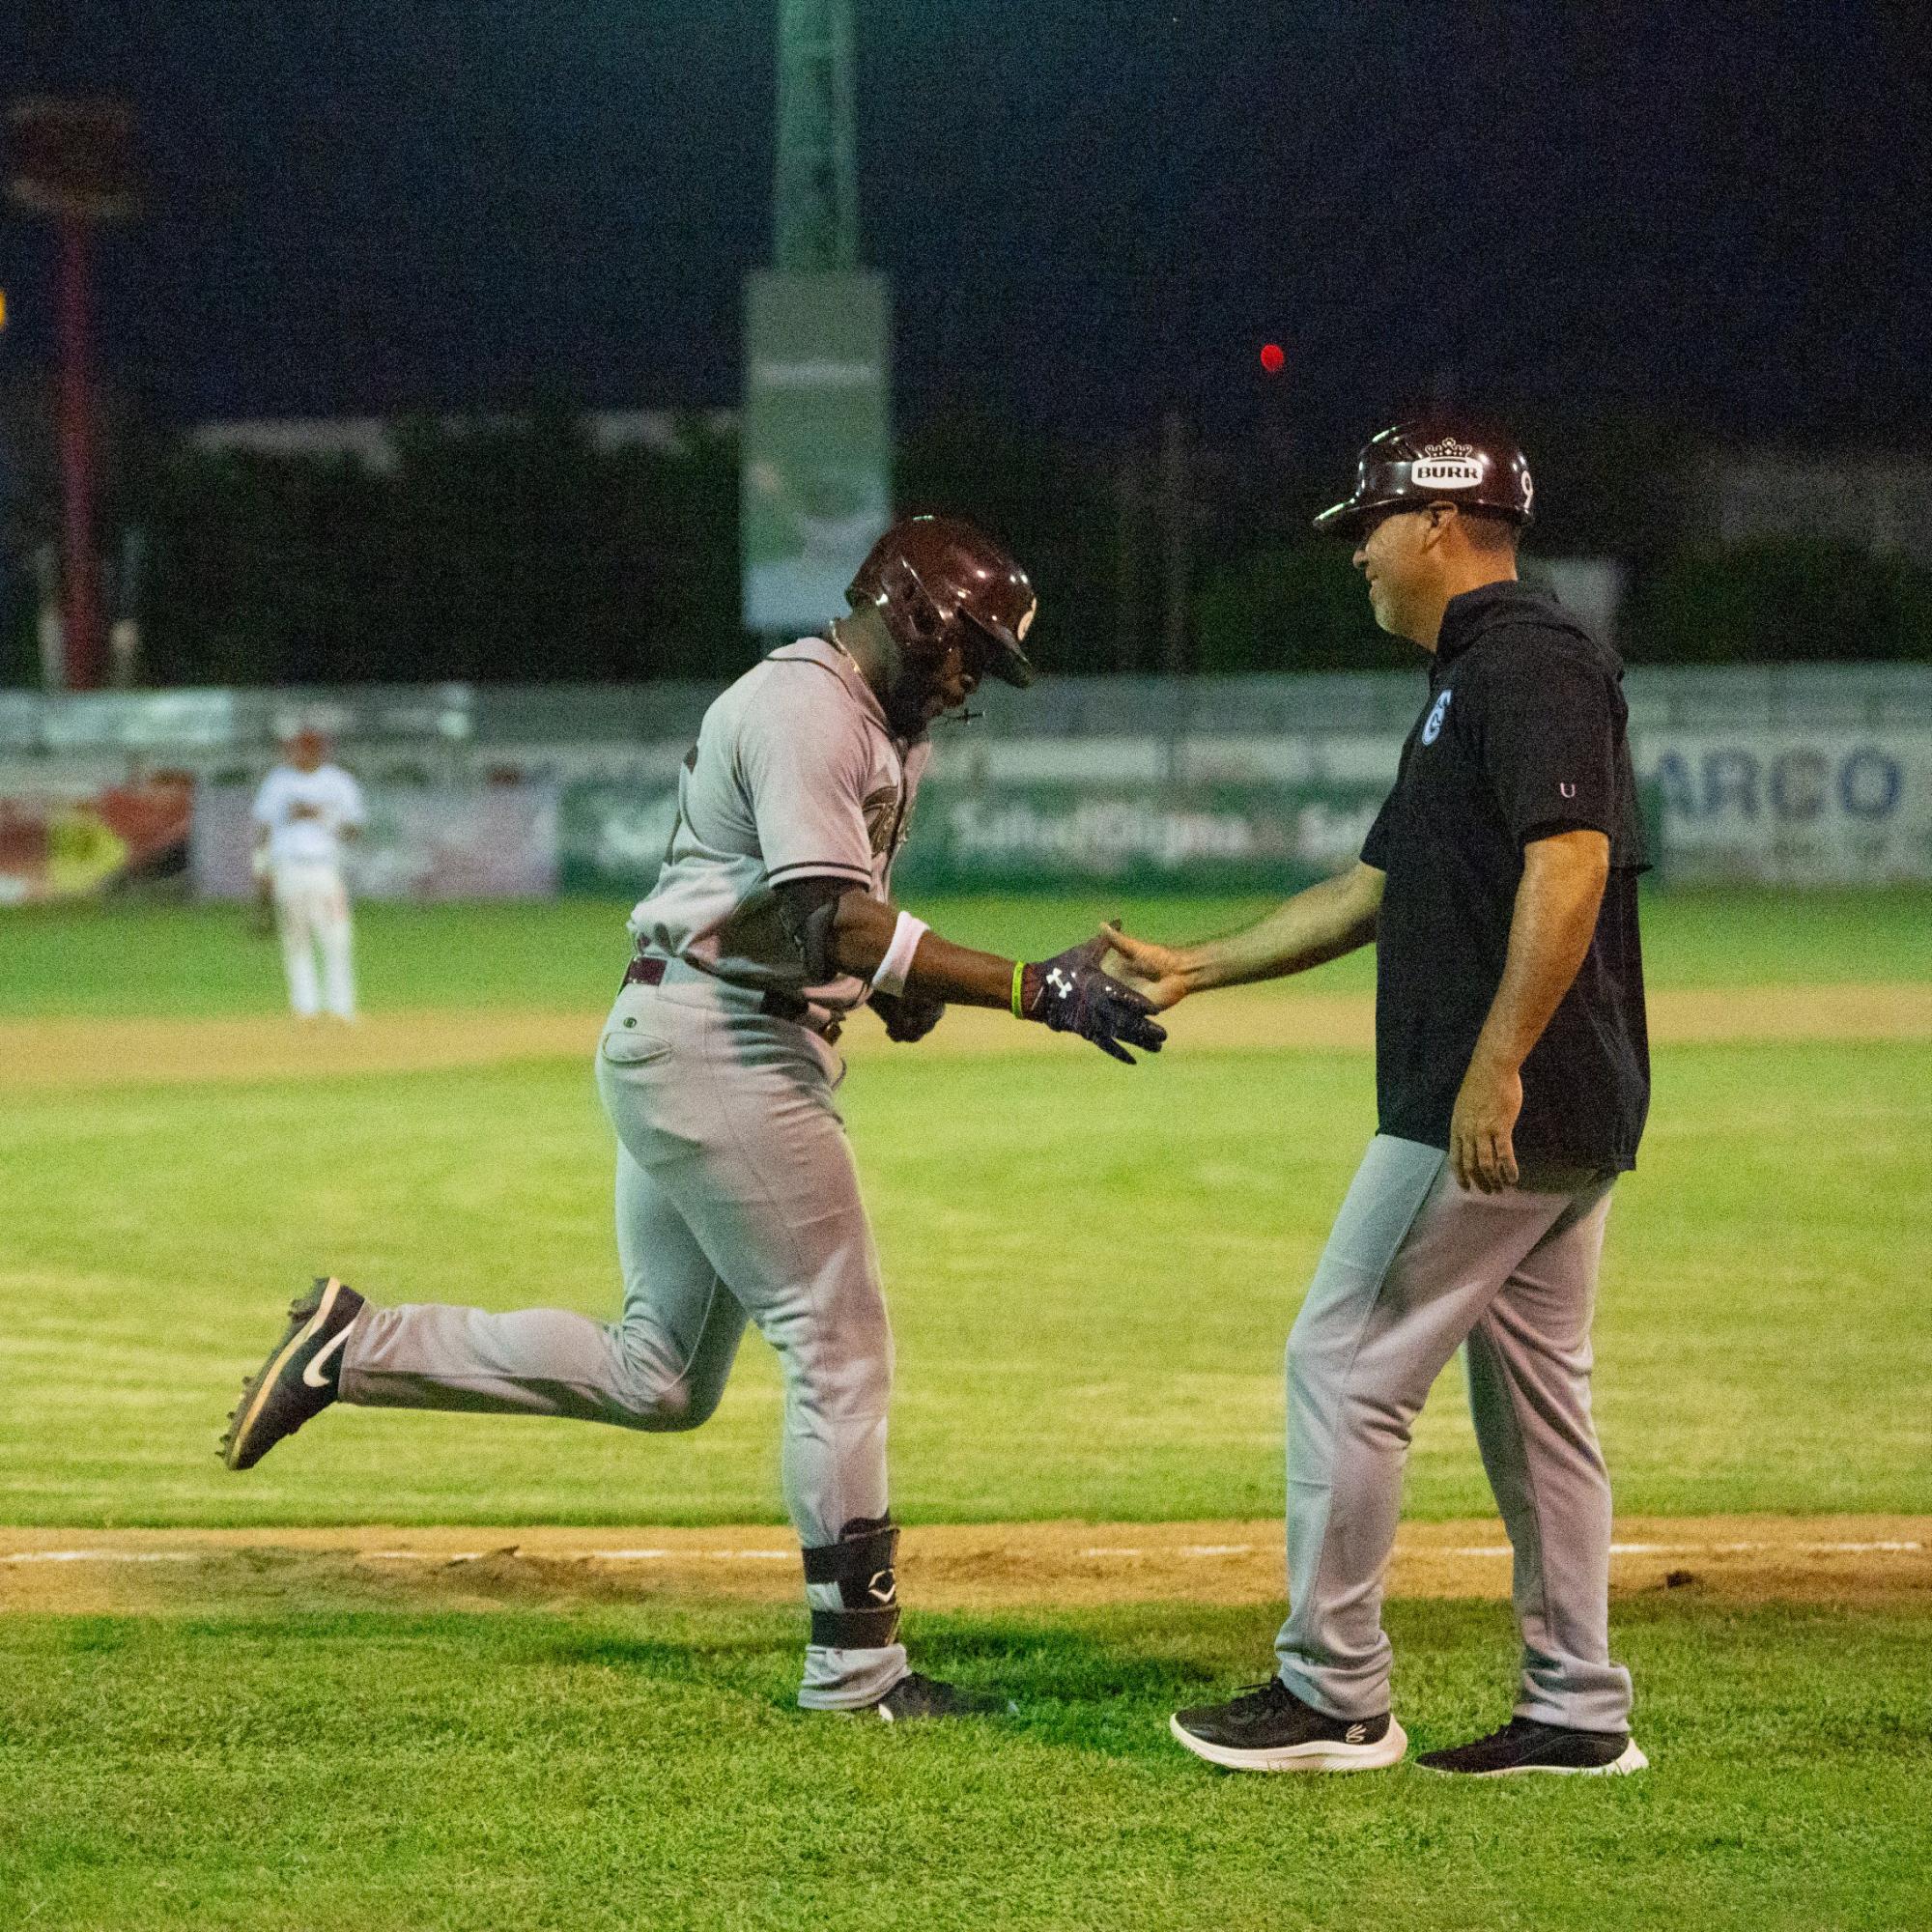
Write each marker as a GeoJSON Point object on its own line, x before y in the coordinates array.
{"type": "Point", "coordinates": [796, 772]}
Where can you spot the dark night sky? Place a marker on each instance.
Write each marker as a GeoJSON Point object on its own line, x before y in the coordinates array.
{"type": "Point", "coordinates": [1087, 210]}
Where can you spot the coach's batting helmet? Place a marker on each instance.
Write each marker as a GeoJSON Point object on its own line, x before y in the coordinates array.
{"type": "Point", "coordinates": [1435, 460]}
{"type": "Point", "coordinates": [930, 574]}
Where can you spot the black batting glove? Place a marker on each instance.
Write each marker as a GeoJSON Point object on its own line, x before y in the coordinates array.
{"type": "Point", "coordinates": [1069, 993]}
{"type": "Point", "coordinates": [906, 1018]}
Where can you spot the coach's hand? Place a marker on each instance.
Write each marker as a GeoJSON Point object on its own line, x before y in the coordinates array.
{"type": "Point", "coordinates": [1480, 1152]}
{"type": "Point", "coordinates": [1152, 970]}
{"type": "Point", "coordinates": [1070, 993]}
{"type": "Point", "coordinates": [906, 1018]}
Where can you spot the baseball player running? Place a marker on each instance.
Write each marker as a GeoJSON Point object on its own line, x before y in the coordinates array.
{"type": "Point", "coordinates": [305, 810]}
{"type": "Point", "coordinates": [1512, 1075]}
{"type": "Point", "coordinates": [736, 1196]}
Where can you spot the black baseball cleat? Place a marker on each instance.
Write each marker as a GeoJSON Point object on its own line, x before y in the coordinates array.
{"type": "Point", "coordinates": [1524, 1744]}
{"type": "Point", "coordinates": [299, 1380]}
{"type": "Point", "coordinates": [913, 1697]}
{"type": "Point", "coordinates": [1267, 1727]}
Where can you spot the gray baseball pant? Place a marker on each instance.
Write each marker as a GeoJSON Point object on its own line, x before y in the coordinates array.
{"type": "Point", "coordinates": [1414, 1267]}
{"type": "Point", "coordinates": [736, 1199]}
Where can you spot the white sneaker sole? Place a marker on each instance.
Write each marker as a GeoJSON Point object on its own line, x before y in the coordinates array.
{"type": "Point", "coordinates": [1632, 1760]}
{"type": "Point", "coordinates": [1318, 1754]}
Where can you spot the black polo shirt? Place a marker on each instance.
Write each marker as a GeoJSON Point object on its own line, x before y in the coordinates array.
{"type": "Point", "coordinates": [1523, 736]}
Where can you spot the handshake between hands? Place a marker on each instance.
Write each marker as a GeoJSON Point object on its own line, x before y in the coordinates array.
{"type": "Point", "coordinates": [1106, 990]}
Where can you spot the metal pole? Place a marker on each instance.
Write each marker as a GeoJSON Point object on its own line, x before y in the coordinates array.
{"type": "Point", "coordinates": [1127, 566]}
{"type": "Point", "coordinates": [1175, 513]}
{"type": "Point", "coordinates": [80, 605]}
{"type": "Point", "coordinates": [815, 199]}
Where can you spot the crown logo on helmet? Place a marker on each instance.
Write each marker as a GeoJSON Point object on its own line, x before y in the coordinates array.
{"type": "Point", "coordinates": [1448, 449]}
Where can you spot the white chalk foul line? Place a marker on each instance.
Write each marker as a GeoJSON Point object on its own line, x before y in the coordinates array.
{"type": "Point", "coordinates": [579, 1555]}
{"type": "Point", "coordinates": [1696, 1550]}
{"type": "Point", "coordinates": [104, 1557]}
{"type": "Point", "coordinates": [1885, 1547]}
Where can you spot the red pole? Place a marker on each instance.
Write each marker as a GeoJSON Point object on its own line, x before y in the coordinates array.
{"type": "Point", "coordinates": [80, 603]}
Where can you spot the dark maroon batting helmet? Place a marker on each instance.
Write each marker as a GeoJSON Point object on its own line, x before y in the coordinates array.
{"type": "Point", "coordinates": [1445, 459]}
{"type": "Point", "coordinates": [938, 580]}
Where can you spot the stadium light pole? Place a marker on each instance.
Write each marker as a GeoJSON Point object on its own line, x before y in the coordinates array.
{"type": "Point", "coordinates": [70, 163]}
{"type": "Point", "coordinates": [815, 463]}
{"type": "Point", "coordinates": [815, 191]}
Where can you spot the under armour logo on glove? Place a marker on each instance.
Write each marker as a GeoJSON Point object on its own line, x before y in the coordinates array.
{"type": "Point", "coordinates": [1070, 994]}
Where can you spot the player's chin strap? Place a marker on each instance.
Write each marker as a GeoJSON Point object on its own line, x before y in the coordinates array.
{"type": "Point", "coordinates": [853, 1588]}
{"type": "Point", "coordinates": [965, 715]}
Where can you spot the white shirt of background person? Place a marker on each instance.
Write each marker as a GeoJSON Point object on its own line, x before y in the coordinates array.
{"type": "Point", "coordinates": [303, 813]}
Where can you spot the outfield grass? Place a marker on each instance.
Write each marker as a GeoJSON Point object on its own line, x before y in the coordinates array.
{"type": "Point", "coordinates": [164, 959]}
{"type": "Point", "coordinates": [1092, 1273]}
{"type": "Point", "coordinates": [620, 1768]}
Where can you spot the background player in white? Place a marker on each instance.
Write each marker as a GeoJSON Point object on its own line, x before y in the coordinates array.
{"type": "Point", "coordinates": [737, 1199]}
{"type": "Point", "coordinates": [303, 813]}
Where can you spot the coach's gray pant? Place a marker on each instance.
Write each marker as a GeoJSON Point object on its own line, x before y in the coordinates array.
{"type": "Point", "coordinates": [1414, 1267]}
{"type": "Point", "coordinates": [736, 1198]}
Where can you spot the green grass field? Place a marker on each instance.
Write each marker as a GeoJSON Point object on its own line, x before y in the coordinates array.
{"type": "Point", "coordinates": [1092, 1274]}
{"type": "Point", "coordinates": [150, 959]}
{"type": "Point", "coordinates": [603, 1770]}
{"type": "Point", "coordinates": [1764, 1280]}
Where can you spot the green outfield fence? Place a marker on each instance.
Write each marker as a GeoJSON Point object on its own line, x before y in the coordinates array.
{"type": "Point", "coordinates": [1789, 774]}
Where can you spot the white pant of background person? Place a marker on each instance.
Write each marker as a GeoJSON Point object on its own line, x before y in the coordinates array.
{"type": "Point", "coordinates": [312, 917]}
{"type": "Point", "coordinates": [737, 1199]}
{"type": "Point", "coordinates": [1416, 1268]}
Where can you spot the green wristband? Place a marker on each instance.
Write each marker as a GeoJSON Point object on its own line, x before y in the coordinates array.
{"type": "Point", "coordinates": [1019, 977]}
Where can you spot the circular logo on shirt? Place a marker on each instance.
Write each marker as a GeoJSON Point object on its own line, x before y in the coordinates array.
{"type": "Point", "coordinates": [1431, 728]}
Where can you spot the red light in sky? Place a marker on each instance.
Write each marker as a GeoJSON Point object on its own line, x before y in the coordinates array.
{"type": "Point", "coordinates": [1272, 357]}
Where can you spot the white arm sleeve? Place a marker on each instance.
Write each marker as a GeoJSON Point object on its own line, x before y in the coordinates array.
{"type": "Point", "coordinates": [891, 978]}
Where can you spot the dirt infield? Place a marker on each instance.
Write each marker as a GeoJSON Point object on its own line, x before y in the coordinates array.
{"type": "Point", "coordinates": [117, 1052]}
{"type": "Point", "coordinates": [1842, 1559]}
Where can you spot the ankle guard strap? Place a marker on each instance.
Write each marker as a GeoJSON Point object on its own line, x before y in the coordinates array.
{"type": "Point", "coordinates": [862, 1564]}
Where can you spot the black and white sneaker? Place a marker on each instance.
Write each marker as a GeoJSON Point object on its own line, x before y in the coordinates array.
{"type": "Point", "coordinates": [1267, 1727]}
{"type": "Point", "coordinates": [299, 1380]}
{"type": "Point", "coordinates": [1524, 1744]}
{"type": "Point", "coordinates": [913, 1697]}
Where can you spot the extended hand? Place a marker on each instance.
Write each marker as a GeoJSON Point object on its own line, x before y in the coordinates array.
{"type": "Point", "coordinates": [1070, 993]}
{"type": "Point", "coordinates": [907, 1019]}
{"type": "Point", "coordinates": [1481, 1152]}
{"type": "Point", "coordinates": [1154, 971]}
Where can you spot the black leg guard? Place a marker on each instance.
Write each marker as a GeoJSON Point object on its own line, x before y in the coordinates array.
{"type": "Point", "coordinates": [861, 1565]}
